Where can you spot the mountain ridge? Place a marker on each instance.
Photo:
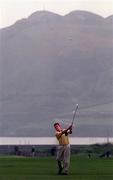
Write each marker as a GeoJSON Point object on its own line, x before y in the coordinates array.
{"type": "Point", "coordinates": [45, 13]}
{"type": "Point", "coordinates": [49, 66]}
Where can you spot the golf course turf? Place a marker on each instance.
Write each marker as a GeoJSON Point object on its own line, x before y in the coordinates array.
{"type": "Point", "coordinates": [45, 168]}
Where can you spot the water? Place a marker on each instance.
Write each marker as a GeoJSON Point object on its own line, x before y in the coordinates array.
{"type": "Point", "coordinates": [52, 140]}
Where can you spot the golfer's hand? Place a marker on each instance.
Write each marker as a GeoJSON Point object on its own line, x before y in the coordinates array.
{"type": "Point", "coordinates": [70, 131]}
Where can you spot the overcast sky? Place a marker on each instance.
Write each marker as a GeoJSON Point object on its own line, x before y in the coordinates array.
{"type": "Point", "coordinates": [13, 10]}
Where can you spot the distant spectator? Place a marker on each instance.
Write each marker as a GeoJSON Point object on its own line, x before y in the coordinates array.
{"type": "Point", "coordinates": [89, 155]}
{"type": "Point", "coordinates": [16, 148]}
{"type": "Point", "coordinates": [33, 151]}
{"type": "Point", "coordinates": [53, 151]}
{"type": "Point", "coordinates": [108, 154]}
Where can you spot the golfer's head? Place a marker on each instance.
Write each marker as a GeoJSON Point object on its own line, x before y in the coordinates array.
{"type": "Point", "coordinates": [57, 127]}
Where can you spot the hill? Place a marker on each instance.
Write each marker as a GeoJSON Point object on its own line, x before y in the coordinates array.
{"type": "Point", "coordinates": [48, 64]}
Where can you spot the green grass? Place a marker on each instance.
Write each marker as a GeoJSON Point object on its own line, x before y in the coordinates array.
{"type": "Point", "coordinates": [45, 168]}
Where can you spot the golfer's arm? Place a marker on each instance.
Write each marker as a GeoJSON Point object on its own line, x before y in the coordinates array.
{"type": "Point", "coordinates": [66, 130]}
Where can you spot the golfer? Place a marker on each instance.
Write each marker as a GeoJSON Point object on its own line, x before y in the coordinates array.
{"type": "Point", "coordinates": [63, 150]}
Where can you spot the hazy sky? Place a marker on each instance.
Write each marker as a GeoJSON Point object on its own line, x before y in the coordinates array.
{"type": "Point", "coordinates": [13, 10]}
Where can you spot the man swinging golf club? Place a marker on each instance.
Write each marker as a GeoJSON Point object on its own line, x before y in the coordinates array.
{"type": "Point", "coordinates": [63, 150]}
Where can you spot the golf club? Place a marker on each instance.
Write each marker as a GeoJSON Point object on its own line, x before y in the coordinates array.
{"type": "Point", "coordinates": [74, 114]}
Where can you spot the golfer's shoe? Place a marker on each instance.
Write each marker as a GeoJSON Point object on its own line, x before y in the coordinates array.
{"type": "Point", "coordinates": [64, 173]}
{"type": "Point", "coordinates": [60, 171]}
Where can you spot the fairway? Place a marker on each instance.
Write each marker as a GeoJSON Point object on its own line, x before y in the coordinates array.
{"type": "Point", "coordinates": [42, 168]}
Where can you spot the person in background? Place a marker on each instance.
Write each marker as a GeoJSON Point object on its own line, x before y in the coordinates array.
{"type": "Point", "coordinates": [63, 150]}
{"type": "Point", "coordinates": [33, 151]}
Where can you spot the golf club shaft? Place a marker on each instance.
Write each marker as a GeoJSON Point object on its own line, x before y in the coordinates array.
{"type": "Point", "coordinates": [74, 114]}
